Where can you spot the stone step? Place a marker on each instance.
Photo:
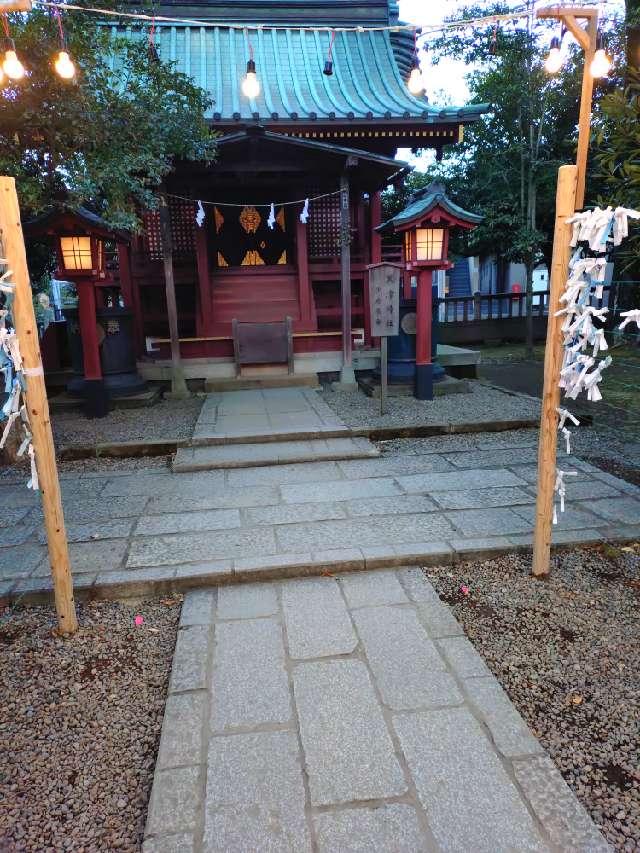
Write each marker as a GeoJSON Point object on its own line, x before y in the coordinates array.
{"type": "Point", "coordinates": [213, 457]}
{"type": "Point", "coordinates": [261, 379]}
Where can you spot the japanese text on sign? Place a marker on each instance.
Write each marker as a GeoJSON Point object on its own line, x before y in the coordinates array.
{"type": "Point", "coordinates": [384, 298]}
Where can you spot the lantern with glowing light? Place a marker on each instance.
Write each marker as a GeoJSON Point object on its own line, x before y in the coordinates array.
{"type": "Point", "coordinates": [425, 225]}
{"type": "Point", "coordinates": [103, 357]}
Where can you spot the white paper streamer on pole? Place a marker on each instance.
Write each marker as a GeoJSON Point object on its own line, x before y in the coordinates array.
{"type": "Point", "coordinates": [271, 221]}
{"type": "Point", "coordinates": [200, 214]}
{"type": "Point", "coordinates": [632, 316]}
{"type": "Point", "coordinates": [11, 368]}
{"type": "Point", "coordinates": [304, 216]}
{"type": "Point", "coordinates": [597, 232]}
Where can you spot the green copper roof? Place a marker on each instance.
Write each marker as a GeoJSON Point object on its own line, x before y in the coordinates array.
{"type": "Point", "coordinates": [366, 83]}
{"type": "Point", "coordinates": [423, 202]}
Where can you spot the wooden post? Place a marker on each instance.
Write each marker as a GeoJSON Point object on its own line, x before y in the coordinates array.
{"type": "Point", "coordinates": [347, 376]}
{"type": "Point", "coordinates": [383, 373]}
{"type": "Point", "coordinates": [37, 406]}
{"type": "Point", "coordinates": [89, 330]}
{"type": "Point", "coordinates": [548, 439]}
{"type": "Point", "coordinates": [179, 388]}
{"type": "Point", "coordinates": [204, 317]}
{"type": "Point", "coordinates": [586, 38]}
{"type": "Point", "coordinates": [304, 281]}
{"type": "Point", "coordinates": [424, 366]}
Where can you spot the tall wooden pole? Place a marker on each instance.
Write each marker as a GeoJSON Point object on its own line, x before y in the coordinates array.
{"type": "Point", "coordinates": [37, 406]}
{"type": "Point", "coordinates": [179, 388]}
{"type": "Point", "coordinates": [586, 38]}
{"type": "Point", "coordinates": [548, 439]}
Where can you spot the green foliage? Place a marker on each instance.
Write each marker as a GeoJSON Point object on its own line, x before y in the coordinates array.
{"type": "Point", "coordinates": [107, 138]}
{"type": "Point", "coordinates": [506, 167]}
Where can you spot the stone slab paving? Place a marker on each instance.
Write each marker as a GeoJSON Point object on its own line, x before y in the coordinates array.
{"type": "Point", "coordinates": [133, 533]}
{"type": "Point", "coordinates": [265, 414]}
{"type": "Point", "coordinates": [367, 735]}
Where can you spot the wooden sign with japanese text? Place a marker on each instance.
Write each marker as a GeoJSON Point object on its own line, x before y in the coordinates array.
{"type": "Point", "coordinates": [384, 299]}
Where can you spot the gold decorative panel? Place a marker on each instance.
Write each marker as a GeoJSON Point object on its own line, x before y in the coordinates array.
{"type": "Point", "coordinates": [250, 219]}
{"type": "Point", "coordinates": [252, 259]}
{"type": "Point", "coordinates": [218, 219]}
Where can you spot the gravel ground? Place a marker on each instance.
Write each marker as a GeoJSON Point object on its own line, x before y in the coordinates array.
{"type": "Point", "coordinates": [483, 403]}
{"type": "Point", "coordinates": [80, 723]}
{"type": "Point", "coordinates": [566, 652]}
{"type": "Point", "coordinates": [168, 419]}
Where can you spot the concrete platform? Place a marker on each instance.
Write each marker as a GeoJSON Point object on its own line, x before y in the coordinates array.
{"type": "Point", "coordinates": [65, 402]}
{"type": "Point", "coordinates": [448, 385]}
{"type": "Point", "coordinates": [244, 455]}
{"type": "Point", "coordinates": [248, 382]}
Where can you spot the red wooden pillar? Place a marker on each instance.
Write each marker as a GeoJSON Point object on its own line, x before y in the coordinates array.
{"type": "Point", "coordinates": [204, 317]}
{"type": "Point", "coordinates": [89, 330]}
{"type": "Point", "coordinates": [304, 282]}
{"type": "Point", "coordinates": [130, 294]}
{"type": "Point", "coordinates": [424, 367]}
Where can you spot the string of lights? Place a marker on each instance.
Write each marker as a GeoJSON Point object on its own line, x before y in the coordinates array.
{"type": "Point", "coordinates": [14, 70]}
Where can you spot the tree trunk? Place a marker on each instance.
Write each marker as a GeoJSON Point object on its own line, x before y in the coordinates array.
{"type": "Point", "coordinates": [633, 34]}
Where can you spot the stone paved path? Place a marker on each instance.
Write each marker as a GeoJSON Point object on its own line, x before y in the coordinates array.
{"type": "Point", "coordinates": [348, 713]}
{"type": "Point", "coordinates": [133, 533]}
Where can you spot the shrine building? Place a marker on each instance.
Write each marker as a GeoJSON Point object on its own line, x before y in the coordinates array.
{"type": "Point", "coordinates": [306, 134]}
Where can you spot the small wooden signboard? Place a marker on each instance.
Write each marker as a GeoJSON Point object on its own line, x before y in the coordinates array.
{"type": "Point", "coordinates": [384, 299]}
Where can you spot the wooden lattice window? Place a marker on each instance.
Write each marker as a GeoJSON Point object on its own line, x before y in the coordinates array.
{"type": "Point", "coordinates": [324, 227]}
{"type": "Point", "coordinates": [183, 224]}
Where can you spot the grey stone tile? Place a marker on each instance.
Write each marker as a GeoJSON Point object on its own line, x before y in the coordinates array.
{"type": "Point", "coordinates": [182, 522]}
{"type": "Point", "coordinates": [182, 730]}
{"type": "Point", "coordinates": [18, 496]}
{"type": "Point", "coordinates": [556, 807]}
{"type": "Point", "coordinates": [396, 505]}
{"type": "Point", "coordinates": [313, 472]}
{"type": "Point", "coordinates": [291, 513]}
{"type": "Point", "coordinates": [481, 478]}
{"type": "Point", "coordinates": [510, 733]}
{"type": "Point", "coordinates": [369, 589]}
{"type": "Point", "coordinates": [134, 581]}
{"type": "Point", "coordinates": [206, 570]}
{"type": "Point", "coordinates": [222, 498]}
{"type": "Point", "coordinates": [316, 619]}
{"type": "Point", "coordinates": [625, 510]}
{"type": "Point", "coordinates": [340, 718]}
{"type": "Point", "coordinates": [343, 559]}
{"type": "Point", "coordinates": [432, 553]}
{"type": "Point", "coordinates": [275, 565]}
{"type": "Point", "coordinates": [90, 510]}
{"type": "Point", "coordinates": [579, 490]}
{"type": "Point", "coordinates": [181, 843]}
{"type": "Point", "coordinates": [190, 659]}
{"type": "Point", "coordinates": [471, 802]}
{"type": "Point", "coordinates": [508, 439]}
{"type": "Point", "coordinates": [495, 458]}
{"type": "Point", "coordinates": [489, 522]}
{"type": "Point", "coordinates": [255, 797]}
{"type": "Point", "coordinates": [16, 535]}
{"type": "Point", "coordinates": [392, 466]}
{"type": "Point", "coordinates": [417, 585]}
{"type": "Point", "coordinates": [463, 658]}
{"type": "Point", "coordinates": [101, 556]}
{"type": "Point", "coordinates": [137, 485]}
{"type": "Point", "coordinates": [249, 686]}
{"type": "Point", "coordinates": [481, 547]}
{"type": "Point", "coordinates": [80, 487]}
{"type": "Point", "coordinates": [247, 601]}
{"type": "Point", "coordinates": [382, 530]}
{"type": "Point", "coordinates": [339, 490]}
{"type": "Point", "coordinates": [438, 620]}
{"type": "Point", "coordinates": [385, 828]}
{"type": "Point", "coordinates": [574, 537]}
{"type": "Point", "coordinates": [470, 498]}
{"type": "Point", "coordinates": [194, 547]}
{"type": "Point", "coordinates": [91, 531]}
{"type": "Point", "coordinates": [616, 482]}
{"type": "Point", "coordinates": [405, 663]}
{"type": "Point", "coordinates": [198, 607]}
{"type": "Point", "coordinates": [176, 799]}
{"type": "Point", "coordinates": [575, 516]}
{"type": "Point", "coordinates": [13, 514]}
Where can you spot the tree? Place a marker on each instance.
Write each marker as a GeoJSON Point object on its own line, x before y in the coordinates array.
{"type": "Point", "coordinates": [506, 167]}
{"type": "Point", "coordinates": [105, 139]}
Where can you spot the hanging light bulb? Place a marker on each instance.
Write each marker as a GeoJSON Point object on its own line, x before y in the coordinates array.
{"type": "Point", "coordinates": [11, 65]}
{"type": "Point", "coordinates": [251, 84]}
{"type": "Point", "coordinates": [416, 80]}
{"type": "Point", "coordinates": [64, 66]}
{"type": "Point", "coordinates": [600, 64]}
{"type": "Point", "coordinates": [554, 60]}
